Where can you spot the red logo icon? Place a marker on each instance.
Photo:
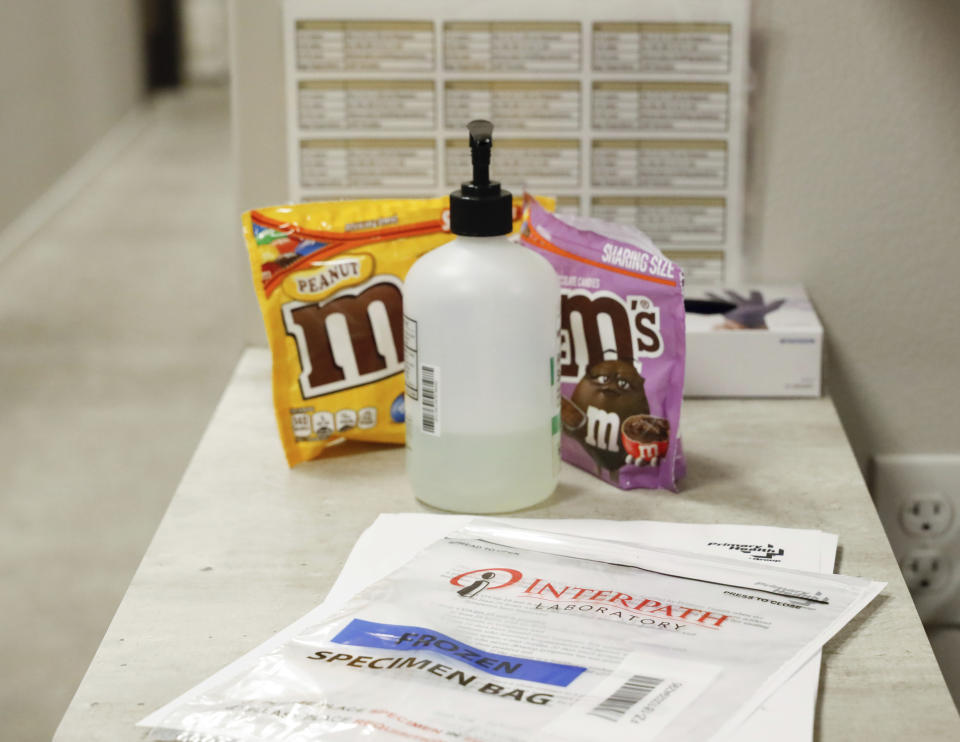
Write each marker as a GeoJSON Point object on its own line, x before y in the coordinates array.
{"type": "Point", "coordinates": [476, 581]}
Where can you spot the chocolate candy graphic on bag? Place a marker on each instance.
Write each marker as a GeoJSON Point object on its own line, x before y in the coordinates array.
{"type": "Point", "coordinates": [608, 394]}
{"type": "Point", "coordinates": [645, 438]}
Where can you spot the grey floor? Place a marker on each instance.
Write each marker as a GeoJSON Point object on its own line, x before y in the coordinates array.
{"type": "Point", "coordinates": [118, 330]}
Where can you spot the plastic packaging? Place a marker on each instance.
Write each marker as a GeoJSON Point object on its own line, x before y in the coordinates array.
{"type": "Point", "coordinates": [481, 316]}
{"type": "Point", "coordinates": [623, 346]}
{"type": "Point", "coordinates": [499, 634]}
{"type": "Point", "coordinates": [329, 279]}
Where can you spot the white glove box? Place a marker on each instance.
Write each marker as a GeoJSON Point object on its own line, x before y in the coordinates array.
{"type": "Point", "coordinates": [752, 341]}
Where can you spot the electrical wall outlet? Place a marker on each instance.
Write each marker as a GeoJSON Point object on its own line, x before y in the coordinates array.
{"type": "Point", "coordinates": [928, 515]}
{"type": "Point", "coordinates": [926, 571]}
{"type": "Point", "coordinates": [918, 499]}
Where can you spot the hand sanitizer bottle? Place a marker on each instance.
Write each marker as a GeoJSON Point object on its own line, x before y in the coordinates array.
{"type": "Point", "coordinates": [481, 338]}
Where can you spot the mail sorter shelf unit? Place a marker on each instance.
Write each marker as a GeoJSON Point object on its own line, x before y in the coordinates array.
{"type": "Point", "coordinates": [636, 121]}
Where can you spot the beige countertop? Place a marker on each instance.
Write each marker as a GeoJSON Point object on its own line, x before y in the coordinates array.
{"type": "Point", "coordinates": [248, 546]}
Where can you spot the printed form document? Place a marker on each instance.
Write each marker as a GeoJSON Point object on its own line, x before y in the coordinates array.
{"type": "Point", "coordinates": [393, 539]}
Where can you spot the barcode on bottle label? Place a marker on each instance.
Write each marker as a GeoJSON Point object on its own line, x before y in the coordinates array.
{"type": "Point", "coordinates": [429, 412]}
{"type": "Point", "coordinates": [627, 696]}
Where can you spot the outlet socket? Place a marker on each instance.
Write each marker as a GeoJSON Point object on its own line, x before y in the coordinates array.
{"type": "Point", "coordinates": [926, 515]}
{"type": "Point", "coordinates": [926, 571]}
{"type": "Point", "coordinates": [918, 500]}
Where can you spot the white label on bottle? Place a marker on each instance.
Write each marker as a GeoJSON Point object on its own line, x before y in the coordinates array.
{"type": "Point", "coordinates": [410, 357]}
{"type": "Point", "coordinates": [555, 421]}
{"type": "Point", "coordinates": [429, 394]}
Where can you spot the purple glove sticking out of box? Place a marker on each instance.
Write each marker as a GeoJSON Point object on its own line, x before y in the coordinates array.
{"type": "Point", "coordinates": [748, 313]}
{"type": "Point", "coordinates": [622, 347]}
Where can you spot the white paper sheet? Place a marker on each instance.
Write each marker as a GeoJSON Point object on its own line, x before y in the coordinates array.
{"type": "Point", "coordinates": [395, 538]}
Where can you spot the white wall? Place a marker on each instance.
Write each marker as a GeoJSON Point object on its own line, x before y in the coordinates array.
{"type": "Point", "coordinates": [854, 186]}
{"type": "Point", "coordinates": [68, 72]}
{"type": "Point", "coordinates": [204, 25]}
{"type": "Point", "coordinates": [257, 111]}
{"type": "Point", "coordinates": [854, 189]}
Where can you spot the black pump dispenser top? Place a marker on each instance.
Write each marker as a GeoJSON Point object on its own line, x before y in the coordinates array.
{"type": "Point", "coordinates": [481, 208]}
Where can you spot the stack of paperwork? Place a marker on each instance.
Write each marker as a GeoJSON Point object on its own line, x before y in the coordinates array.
{"type": "Point", "coordinates": [635, 630]}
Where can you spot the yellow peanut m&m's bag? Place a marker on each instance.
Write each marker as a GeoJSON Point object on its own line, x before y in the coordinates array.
{"type": "Point", "coordinates": [329, 279]}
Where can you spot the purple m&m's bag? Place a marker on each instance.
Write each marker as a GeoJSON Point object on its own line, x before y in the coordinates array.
{"type": "Point", "coordinates": [622, 348]}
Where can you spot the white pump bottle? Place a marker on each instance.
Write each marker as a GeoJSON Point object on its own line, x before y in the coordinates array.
{"type": "Point", "coordinates": [481, 324]}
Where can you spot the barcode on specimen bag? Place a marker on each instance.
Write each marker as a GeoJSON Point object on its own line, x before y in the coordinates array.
{"type": "Point", "coordinates": [429, 415]}
{"type": "Point", "coordinates": [638, 700]}
{"type": "Point", "coordinates": [627, 696]}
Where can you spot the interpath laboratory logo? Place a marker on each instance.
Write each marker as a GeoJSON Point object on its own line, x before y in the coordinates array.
{"type": "Point", "coordinates": [474, 582]}
{"type": "Point", "coordinates": [552, 595]}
